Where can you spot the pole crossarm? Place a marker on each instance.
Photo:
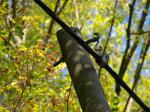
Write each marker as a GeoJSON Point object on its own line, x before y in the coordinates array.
{"type": "Point", "coordinates": [98, 58]}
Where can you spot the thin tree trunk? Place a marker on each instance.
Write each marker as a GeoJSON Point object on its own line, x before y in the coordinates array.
{"type": "Point", "coordinates": [137, 74]}
{"type": "Point", "coordinates": [130, 102]}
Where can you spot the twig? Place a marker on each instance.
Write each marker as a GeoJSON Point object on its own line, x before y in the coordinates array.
{"type": "Point", "coordinates": [19, 101]}
{"type": "Point", "coordinates": [69, 97]}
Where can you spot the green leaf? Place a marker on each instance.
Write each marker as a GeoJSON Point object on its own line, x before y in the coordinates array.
{"type": "Point", "coordinates": [18, 30]}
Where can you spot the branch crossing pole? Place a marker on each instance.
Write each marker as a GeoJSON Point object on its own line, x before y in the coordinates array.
{"type": "Point", "coordinates": [83, 74]}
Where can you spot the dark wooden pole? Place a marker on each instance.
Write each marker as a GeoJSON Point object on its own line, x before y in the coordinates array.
{"type": "Point", "coordinates": [83, 74]}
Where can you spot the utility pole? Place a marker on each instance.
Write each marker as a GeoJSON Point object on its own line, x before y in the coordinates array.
{"type": "Point", "coordinates": [83, 74]}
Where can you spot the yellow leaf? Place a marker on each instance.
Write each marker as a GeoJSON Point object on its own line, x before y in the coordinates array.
{"type": "Point", "coordinates": [22, 48]}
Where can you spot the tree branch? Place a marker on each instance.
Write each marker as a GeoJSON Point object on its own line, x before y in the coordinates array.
{"type": "Point", "coordinates": [77, 13]}
{"type": "Point", "coordinates": [127, 55]}
{"type": "Point", "coordinates": [112, 23]}
{"type": "Point", "coordinates": [122, 67]}
{"type": "Point", "coordinates": [109, 34]}
{"type": "Point", "coordinates": [14, 8]}
{"type": "Point", "coordinates": [138, 71]}
{"type": "Point", "coordinates": [140, 33]}
{"type": "Point", "coordinates": [57, 11]}
{"type": "Point", "coordinates": [131, 6]}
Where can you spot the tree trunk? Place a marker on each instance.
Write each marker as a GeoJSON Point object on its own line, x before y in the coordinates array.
{"type": "Point", "coordinates": [83, 74]}
{"type": "Point", "coordinates": [130, 102]}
